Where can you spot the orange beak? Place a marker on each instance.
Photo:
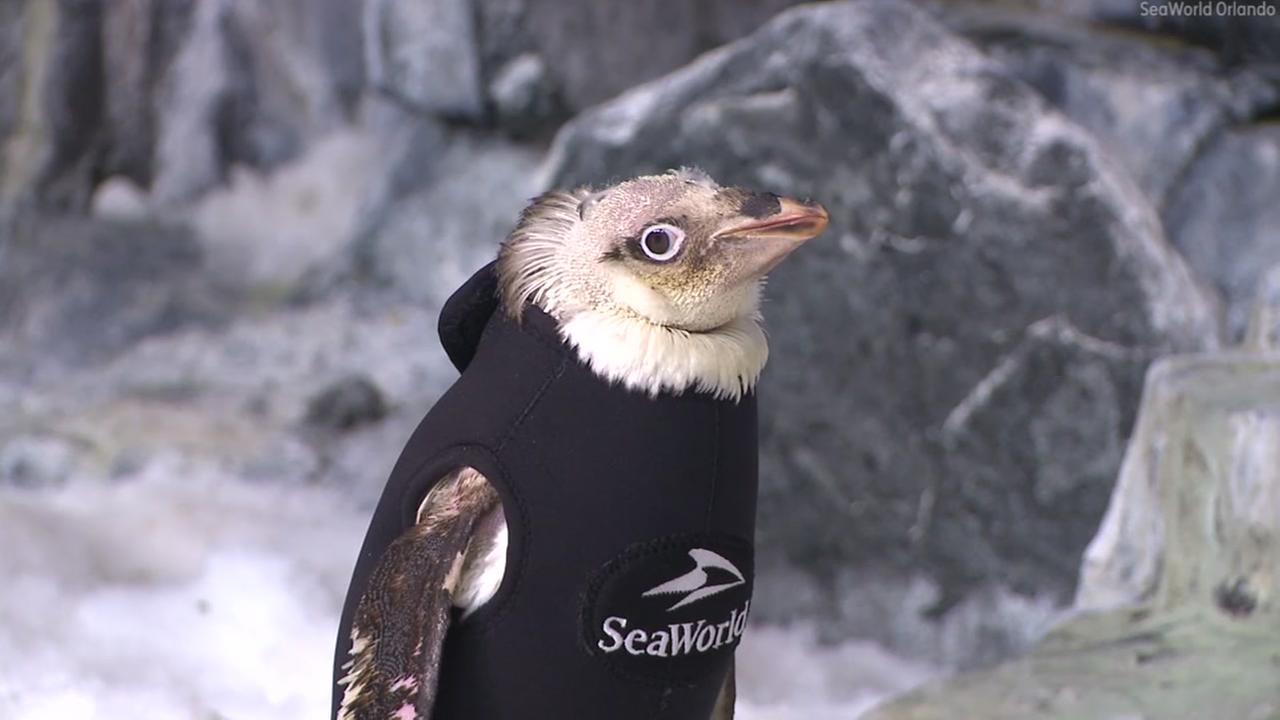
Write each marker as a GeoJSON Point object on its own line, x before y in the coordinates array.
{"type": "Point", "coordinates": [759, 244]}
{"type": "Point", "coordinates": [795, 220]}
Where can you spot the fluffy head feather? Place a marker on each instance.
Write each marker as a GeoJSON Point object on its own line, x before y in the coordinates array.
{"type": "Point", "coordinates": [656, 280]}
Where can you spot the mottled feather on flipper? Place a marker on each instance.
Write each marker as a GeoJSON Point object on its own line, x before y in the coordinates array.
{"type": "Point", "coordinates": [401, 621]}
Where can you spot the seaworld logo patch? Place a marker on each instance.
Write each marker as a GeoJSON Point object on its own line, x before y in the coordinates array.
{"type": "Point", "coordinates": [674, 608]}
{"type": "Point", "coordinates": [674, 639]}
{"type": "Point", "coordinates": [697, 582]}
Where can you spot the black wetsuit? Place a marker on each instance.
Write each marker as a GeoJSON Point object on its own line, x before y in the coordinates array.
{"type": "Point", "coordinates": [629, 570]}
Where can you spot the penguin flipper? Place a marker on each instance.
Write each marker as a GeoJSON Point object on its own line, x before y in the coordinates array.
{"type": "Point", "coordinates": [728, 696]}
{"type": "Point", "coordinates": [399, 627]}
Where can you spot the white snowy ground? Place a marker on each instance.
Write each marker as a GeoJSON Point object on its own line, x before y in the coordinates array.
{"type": "Point", "coordinates": [178, 593]}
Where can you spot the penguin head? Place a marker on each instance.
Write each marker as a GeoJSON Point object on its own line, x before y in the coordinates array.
{"type": "Point", "coordinates": [677, 250]}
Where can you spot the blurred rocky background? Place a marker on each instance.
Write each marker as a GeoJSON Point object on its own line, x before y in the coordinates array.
{"type": "Point", "coordinates": [226, 228]}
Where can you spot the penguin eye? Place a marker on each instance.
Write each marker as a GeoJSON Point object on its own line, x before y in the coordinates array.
{"type": "Point", "coordinates": [661, 242]}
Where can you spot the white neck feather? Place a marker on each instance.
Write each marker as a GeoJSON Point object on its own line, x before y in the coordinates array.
{"type": "Point", "coordinates": [645, 357]}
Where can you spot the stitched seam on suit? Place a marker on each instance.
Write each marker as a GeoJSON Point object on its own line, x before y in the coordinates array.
{"type": "Point", "coordinates": [533, 402]}
{"type": "Point", "coordinates": [715, 462]}
{"type": "Point", "coordinates": [486, 623]}
{"type": "Point", "coordinates": [487, 617]}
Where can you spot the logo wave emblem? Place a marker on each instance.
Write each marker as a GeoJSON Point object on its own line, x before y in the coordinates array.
{"type": "Point", "coordinates": [696, 584]}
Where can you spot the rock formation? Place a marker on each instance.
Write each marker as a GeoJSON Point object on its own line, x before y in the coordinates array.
{"type": "Point", "coordinates": [1179, 600]}
{"type": "Point", "coordinates": [958, 358]}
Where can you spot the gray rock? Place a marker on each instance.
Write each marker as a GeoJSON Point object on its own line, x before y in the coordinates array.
{"type": "Point", "coordinates": [894, 610]}
{"type": "Point", "coordinates": [76, 94]}
{"type": "Point", "coordinates": [1125, 665]}
{"type": "Point", "coordinates": [413, 148]}
{"type": "Point", "coordinates": [76, 291]}
{"type": "Point", "coordinates": [235, 396]}
{"type": "Point", "coordinates": [167, 93]}
{"type": "Point", "coordinates": [140, 38]}
{"type": "Point", "coordinates": [251, 83]}
{"type": "Point", "coordinates": [329, 30]}
{"type": "Point", "coordinates": [117, 198]}
{"type": "Point", "coordinates": [920, 414]}
{"type": "Point", "coordinates": [1178, 589]}
{"type": "Point", "coordinates": [54, 99]}
{"type": "Point", "coordinates": [1263, 331]}
{"type": "Point", "coordinates": [595, 50]}
{"type": "Point", "coordinates": [1017, 442]}
{"type": "Point", "coordinates": [1151, 103]}
{"type": "Point", "coordinates": [1224, 216]}
{"type": "Point", "coordinates": [1206, 445]}
{"type": "Point", "coordinates": [10, 67]}
{"type": "Point", "coordinates": [523, 96]}
{"type": "Point", "coordinates": [37, 460]}
{"type": "Point", "coordinates": [427, 242]}
{"type": "Point", "coordinates": [346, 404]}
{"type": "Point", "coordinates": [284, 235]}
{"type": "Point", "coordinates": [425, 55]}
{"type": "Point", "coordinates": [188, 159]}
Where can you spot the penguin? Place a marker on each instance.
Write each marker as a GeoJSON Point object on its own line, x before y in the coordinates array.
{"type": "Point", "coordinates": [569, 531]}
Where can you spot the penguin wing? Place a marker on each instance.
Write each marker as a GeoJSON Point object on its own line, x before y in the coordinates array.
{"type": "Point", "coordinates": [400, 624]}
{"type": "Point", "coordinates": [728, 696]}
